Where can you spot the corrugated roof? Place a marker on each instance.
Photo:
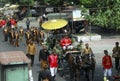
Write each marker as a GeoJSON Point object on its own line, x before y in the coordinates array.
{"type": "Point", "coordinates": [13, 57]}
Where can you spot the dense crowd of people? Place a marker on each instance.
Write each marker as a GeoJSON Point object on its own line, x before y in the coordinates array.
{"type": "Point", "coordinates": [49, 61]}
{"type": "Point", "coordinates": [107, 62]}
{"type": "Point", "coordinates": [16, 35]}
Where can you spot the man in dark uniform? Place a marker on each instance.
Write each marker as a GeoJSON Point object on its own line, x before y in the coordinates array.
{"type": "Point", "coordinates": [116, 54]}
{"type": "Point", "coordinates": [28, 23]}
{"type": "Point", "coordinates": [5, 32]}
{"type": "Point", "coordinates": [43, 57]}
{"type": "Point", "coordinates": [16, 39]}
{"type": "Point", "coordinates": [45, 74]}
{"type": "Point", "coordinates": [37, 35]}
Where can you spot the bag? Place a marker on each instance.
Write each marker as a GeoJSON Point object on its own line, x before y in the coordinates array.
{"type": "Point", "coordinates": [114, 55]}
{"type": "Point", "coordinates": [28, 55]}
{"type": "Point", "coordinates": [44, 64]}
{"type": "Point", "coordinates": [86, 65]}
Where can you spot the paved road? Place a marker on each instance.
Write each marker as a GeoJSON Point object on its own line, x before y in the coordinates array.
{"type": "Point", "coordinates": [32, 24]}
{"type": "Point", "coordinates": [107, 42]}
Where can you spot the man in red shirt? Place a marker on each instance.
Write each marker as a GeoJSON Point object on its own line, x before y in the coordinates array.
{"type": "Point", "coordinates": [13, 23]}
{"type": "Point", "coordinates": [53, 62]}
{"type": "Point", "coordinates": [66, 42]}
{"type": "Point", "coordinates": [107, 65]}
{"type": "Point", "coordinates": [3, 23]}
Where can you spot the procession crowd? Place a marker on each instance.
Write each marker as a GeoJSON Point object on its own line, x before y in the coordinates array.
{"type": "Point", "coordinates": [49, 60]}
{"type": "Point", "coordinates": [107, 63]}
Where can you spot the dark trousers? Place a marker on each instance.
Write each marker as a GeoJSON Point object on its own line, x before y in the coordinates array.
{"type": "Point", "coordinates": [116, 63]}
{"type": "Point", "coordinates": [32, 59]}
{"type": "Point", "coordinates": [6, 38]}
{"type": "Point", "coordinates": [27, 27]}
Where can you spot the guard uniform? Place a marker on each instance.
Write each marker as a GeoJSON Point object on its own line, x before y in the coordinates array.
{"type": "Point", "coordinates": [5, 32]}
{"type": "Point", "coordinates": [16, 39]}
{"type": "Point", "coordinates": [12, 37]}
{"type": "Point", "coordinates": [28, 37]}
{"type": "Point", "coordinates": [21, 34]}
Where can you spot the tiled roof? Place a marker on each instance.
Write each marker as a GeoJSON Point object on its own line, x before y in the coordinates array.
{"type": "Point", "coordinates": [13, 57]}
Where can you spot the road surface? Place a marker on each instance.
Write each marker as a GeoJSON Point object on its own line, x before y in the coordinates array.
{"type": "Point", "coordinates": [106, 43]}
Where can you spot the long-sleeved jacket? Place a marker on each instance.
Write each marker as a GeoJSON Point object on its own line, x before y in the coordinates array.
{"type": "Point", "coordinates": [53, 60]}
{"type": "Point", "coordinates": [31, 49]}
{"type": "Point", "coordinates": [65, 42]}
{"type": "Point", "coordinates": [45, 74]}
{"type": "Point", "coordinates": [43, 54]}
{"type": "Point", "coordinates": [107, 62]}
{"type": "Point", "coordinates": [116, 52]}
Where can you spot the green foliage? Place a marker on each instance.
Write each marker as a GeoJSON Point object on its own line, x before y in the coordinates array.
{"type": "Point", "coordinates": [88, 3]}
{"type": "Point", "coordinates": [52, 2]}
{"type": "Point", "coordinates": [27, 2]}
{"type": "Point", "coordinates": [106, 13]}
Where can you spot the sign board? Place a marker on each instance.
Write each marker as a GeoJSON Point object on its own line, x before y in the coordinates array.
{"type": "Point", "coordinates": [77, 15]}
{"type": "Point", "coordinates": [49, 9]}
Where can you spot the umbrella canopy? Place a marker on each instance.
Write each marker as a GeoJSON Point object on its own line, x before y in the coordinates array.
{"type": "Point", "coordinates": [54, 24]}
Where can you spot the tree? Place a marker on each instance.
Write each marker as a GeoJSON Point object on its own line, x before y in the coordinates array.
{"type": "Point", "coordinates": [52, 2]}
{"type": "Point", "coordinates": [21, 2]}
{"type": "Point", "coordinates": [105, 13]}
{"type": "Point", "coordinates": [26, 2]}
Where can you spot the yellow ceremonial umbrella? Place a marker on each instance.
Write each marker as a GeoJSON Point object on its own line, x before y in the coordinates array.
{"type": "Point", "coordinates": [54, 24]}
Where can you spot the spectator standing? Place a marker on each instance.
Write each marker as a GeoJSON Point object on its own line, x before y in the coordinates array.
{"type": "Point", "coordinates": [53, 62]}
{"type": "Point", "coordinates": [27, 23]}
{"type": "Point", "coordinates": [107, 65]}
{"type": "Point", "coordinates": [43, 57]}
{"type": "Point", "coordinates": [31, 51]}
{"type": "Point", "coordinates": [116, 54]}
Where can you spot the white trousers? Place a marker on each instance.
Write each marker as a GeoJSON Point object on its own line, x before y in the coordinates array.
{"type": "Point", "coordinates": [67, 47]}
{"type": "Point", "coordinates": [12, 26]}
{"type": "Point", "coordinates": [53, 71]}
{"type": "Point", "coordinates": [30, 75]}
{"type": "Point", "coordinates": [108, 72]}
